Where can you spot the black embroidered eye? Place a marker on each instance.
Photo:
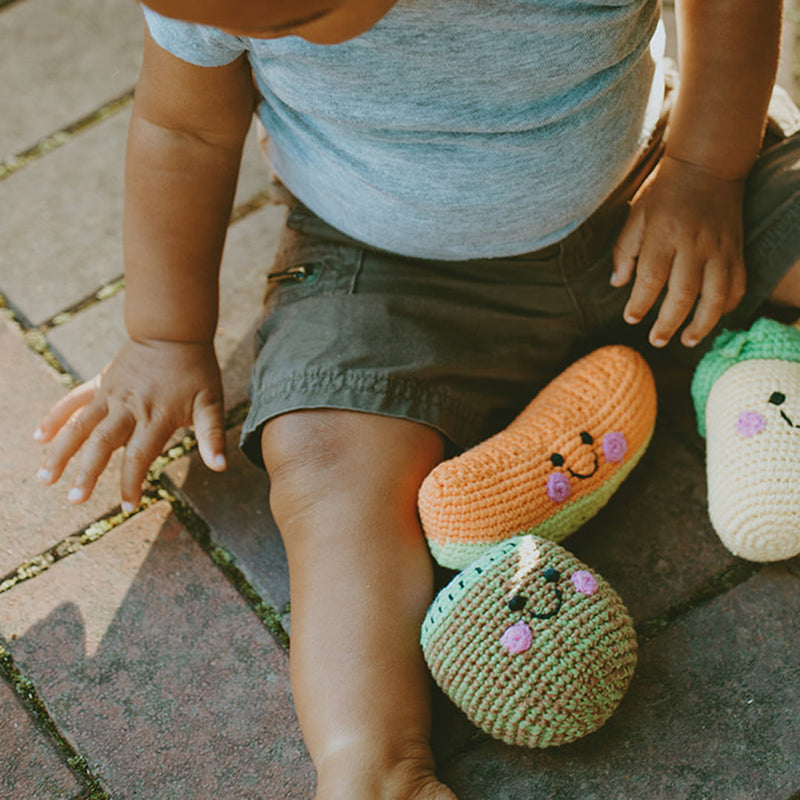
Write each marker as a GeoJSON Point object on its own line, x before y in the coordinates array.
{"type": "Point", "coordinates": [776, 398]}
{"type": "Point", "coordinates": [557, 459]}
{"type": "Point", "coordinates": [517, 602]}
{"type": "Point", "coordinates": [551, 575]}
{"type": "Point", "coordinates": [586, 438]}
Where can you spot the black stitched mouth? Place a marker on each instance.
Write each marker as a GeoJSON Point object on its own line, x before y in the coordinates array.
{"type": "Point", "coordinates": [778, 399]}
{"type": "Point", "coordinates": [549, 614]}
{"type": "Point", "coordinates": [788, 421]}
{"type": "Point", "coordinates": [582, 476]}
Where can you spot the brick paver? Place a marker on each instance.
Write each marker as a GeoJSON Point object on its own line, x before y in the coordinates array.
{"type": "Point", "coordinates": [153, 666]}
{"type": "Point", "coordinates": [653, 541]}
{"type": "Point", "coordinates": [60, 222]}
{"type": "Point", "coordinates": [61, 60]}
{"type": "Point", "coordinates": [30, 766]}
{"type": "Point", "coordinates": [35, 517]}
{"type": "Point", "coordinates": [235, 504]}
{"type": "Point", "coordinates": [94, 335]}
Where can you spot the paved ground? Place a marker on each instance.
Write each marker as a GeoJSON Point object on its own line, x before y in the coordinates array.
{"type": "Point", "coordinates": [145, 658]}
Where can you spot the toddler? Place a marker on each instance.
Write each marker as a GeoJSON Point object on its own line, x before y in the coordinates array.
{"type": "Point", "coordinates": [480, 190]}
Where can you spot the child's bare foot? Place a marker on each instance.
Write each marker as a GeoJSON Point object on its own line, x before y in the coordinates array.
{"type": "Point", "coordinates": [432, 789]}
{"type": "Point", "coordinates": [410, 780]}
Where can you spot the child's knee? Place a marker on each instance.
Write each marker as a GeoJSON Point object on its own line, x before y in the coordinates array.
{"type": "Point", "coordinates": [319, 458]}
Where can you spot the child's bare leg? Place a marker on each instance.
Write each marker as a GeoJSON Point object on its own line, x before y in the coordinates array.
{"type": "Point", "coordinates": [344, 487]}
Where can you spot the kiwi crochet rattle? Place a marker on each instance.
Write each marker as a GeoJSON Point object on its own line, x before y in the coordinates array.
{"type": "Point", "coordinates": [746, 393]}
{"type": "Point", "coordinates": [534, 646]}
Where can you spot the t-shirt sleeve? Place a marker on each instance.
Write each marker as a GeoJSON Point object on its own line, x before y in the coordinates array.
{"type": "Point", "coordinates": [201, 45]}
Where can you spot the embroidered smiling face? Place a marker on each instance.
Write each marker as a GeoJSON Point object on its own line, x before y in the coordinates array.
{"type": "Point", "coordinates": [753, 459]}
{"type": "Point", "coordinates": [759, 400]}
{"type": "Point", "coordinates": [538, 592]}
{"type": "Point", "coordinates": [584, 462]}
{"type": "Point", "coordinates": [751, 423]}
{"type": "Point", "coordinates": [518, 637]}
{"type": "Point", "coordinates": [535, 647]}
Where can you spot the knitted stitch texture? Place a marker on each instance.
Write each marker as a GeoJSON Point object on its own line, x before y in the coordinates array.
{"type": "Point", "coordinates": [747, 392]}
{"type": "Point", "coordinates": [553, 468]}
{"type": "Point", "coordinates": [766, 339]}
{"type": "Point", "coordinates": [533, 646]}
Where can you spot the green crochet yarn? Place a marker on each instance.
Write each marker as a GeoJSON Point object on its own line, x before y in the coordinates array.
{"type": "Point", "coordinates": [766, 339]}
{"type": "Point", "coordinates": [534, 647]}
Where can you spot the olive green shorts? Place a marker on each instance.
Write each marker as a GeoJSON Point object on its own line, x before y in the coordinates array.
{"type": "Point", "coordinates": [464, 346]}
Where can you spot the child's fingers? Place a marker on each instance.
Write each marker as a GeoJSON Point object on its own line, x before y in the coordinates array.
{"type": "Point", "coordinates": [652, 273]}
{"type": "Point", "coordinates": [737, 285]}
{"type": "Point", "coordinates": [68, 440]}
{"type": "Point", "coordinates": [209, 428]}
{"type": "Point", "coordinates": [63, 410]}
{"type": "Point", "coordinates": [720, 284]}
{"type": "Point", "coordinates": [106, 437]}
{"type": "Point", "coordinates": [626, 249]}
{"type": "Point", "coordinates": [685, 283]}
{"type": "Point", "coordinates": [144, 446]}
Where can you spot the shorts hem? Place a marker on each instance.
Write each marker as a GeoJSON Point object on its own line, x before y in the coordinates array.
{"type": "Point", "coordinates": [373, 393]}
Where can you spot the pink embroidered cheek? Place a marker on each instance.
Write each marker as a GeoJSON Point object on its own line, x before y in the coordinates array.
{"type": "Point", "coordinates": [750, 423]}
{"type": "Point", "coordinates": [615, 445]}
{"type": "Point", "coordinates": [558, 487]}
{"type": "Point", "coordinates": [517, 639]}
{"type": "Point", "coordinates": [584, 582]}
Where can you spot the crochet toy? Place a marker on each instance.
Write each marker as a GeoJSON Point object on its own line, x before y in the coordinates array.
{"type": "Point", "coordinates": [746, 393]}
{"type": "Point", "coordinates": [532, 645]}
{"type": "Point", "coordinates": [553, 468]}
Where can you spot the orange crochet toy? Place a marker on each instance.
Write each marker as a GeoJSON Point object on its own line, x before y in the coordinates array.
{"type": "Point", "coordinates": [553, 468]}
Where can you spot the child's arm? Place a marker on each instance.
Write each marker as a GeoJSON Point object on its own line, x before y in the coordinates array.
{"type": "Point", "coordinates": [184, 147]}
{"type": "Point", "coordinates": [685, 225]}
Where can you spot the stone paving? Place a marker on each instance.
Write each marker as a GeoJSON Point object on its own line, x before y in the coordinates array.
{"type": "Point", "coordinates": [145, 657]}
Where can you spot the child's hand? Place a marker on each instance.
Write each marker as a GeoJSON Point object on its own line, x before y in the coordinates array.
{"type": "Point", "coordinates": [148, 391]}
{"type": "Point", "coordinates": [684, 232]}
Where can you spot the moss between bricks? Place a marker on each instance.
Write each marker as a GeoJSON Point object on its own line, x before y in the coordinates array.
{"type": "Point", "coordinates": [61, 137]}
{"type": "Point", "coordinates": [23, 687]}
{"type": "Point", "coordinates": [106, 291]}
{"type": "Point", "coordinates": [199, 531]}
{"type": "Point", "coordinates": [70, 544]}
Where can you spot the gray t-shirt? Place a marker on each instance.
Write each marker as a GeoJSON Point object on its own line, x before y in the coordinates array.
{"type": "Point", "coordinates": [455, 129]}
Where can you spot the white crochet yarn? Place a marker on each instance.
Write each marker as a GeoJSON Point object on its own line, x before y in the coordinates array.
{"type": "Point", "coordinates": [753, 459]}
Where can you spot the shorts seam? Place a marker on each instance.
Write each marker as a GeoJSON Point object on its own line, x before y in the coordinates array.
{"type": "Point", "coordinates": [322, 379]}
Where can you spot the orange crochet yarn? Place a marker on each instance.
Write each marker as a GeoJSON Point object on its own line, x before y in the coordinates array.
{"type": "Point", "coordinates": [553, 468]}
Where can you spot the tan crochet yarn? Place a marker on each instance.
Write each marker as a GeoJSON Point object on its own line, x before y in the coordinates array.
{"type": "Point", "coordinates": [532, 645]}
{"type": "Point", "coordinates": [553, 468]}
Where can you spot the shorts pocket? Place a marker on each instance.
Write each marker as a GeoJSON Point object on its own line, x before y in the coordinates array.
{"type": "Point", "coordinates": [310, 266]}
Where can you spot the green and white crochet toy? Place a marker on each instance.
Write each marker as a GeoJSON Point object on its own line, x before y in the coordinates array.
{"type": "Point", "coordinates": [535, 647]}
{"type": "Point", "coordinates": [746, 393]}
